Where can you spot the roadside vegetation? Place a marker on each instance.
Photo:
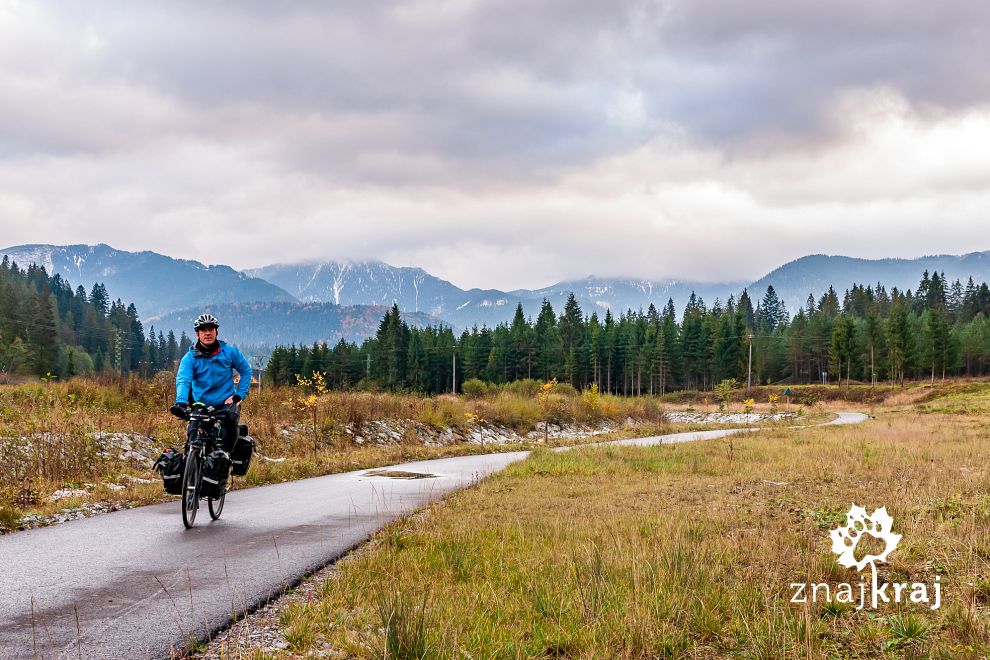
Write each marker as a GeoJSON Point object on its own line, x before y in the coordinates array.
{"type": "Point", "coordinates": [681, 550]}
{"type": "Point", "coordinates": [87, 440]}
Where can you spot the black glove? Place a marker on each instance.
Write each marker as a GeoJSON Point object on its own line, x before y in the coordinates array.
{"type": "Point", "coordinates": [180, 409]}
{"type": "Point", "coordinates": [237, 398]}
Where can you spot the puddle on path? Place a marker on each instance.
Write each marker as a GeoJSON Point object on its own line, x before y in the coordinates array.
{"type": "Point", "coordinates": [400, 474]}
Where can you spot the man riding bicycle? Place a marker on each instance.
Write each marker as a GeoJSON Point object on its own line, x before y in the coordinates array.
{"type": "Point", "coordinates": [208, 371]}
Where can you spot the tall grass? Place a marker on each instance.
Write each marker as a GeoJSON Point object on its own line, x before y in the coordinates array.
{"type": "Point", "coordinates": [49, 432]}
{"type": "Point", "coordinates": [678, 551]}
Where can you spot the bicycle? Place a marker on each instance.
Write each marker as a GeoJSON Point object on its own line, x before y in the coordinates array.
{"type": "Point", "coordinates": [202, 436]}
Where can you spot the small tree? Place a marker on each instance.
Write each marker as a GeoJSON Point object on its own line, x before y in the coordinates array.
{"type": "Point", "coordinates": [545, 396]}
{"type": "Point", "coordinates": [724, 390]}
{"type": "Point", "coordinates": [473, 420]}
{"type": "Point", "coordinates": [308, 402]}
{"type": "Point", "coordinates": [591, 403]}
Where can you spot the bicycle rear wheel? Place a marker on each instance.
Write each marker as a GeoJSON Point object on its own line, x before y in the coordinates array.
{"type": "Point", "coordinates": [216, 505]}
{"type": "Point", "coordinates": [190, 488]}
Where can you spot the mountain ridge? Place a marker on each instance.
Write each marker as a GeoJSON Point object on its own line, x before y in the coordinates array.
{"type": "Point", "coordinates": [154, 282]}
{"type": "Point", "coordinates": [354, 284]}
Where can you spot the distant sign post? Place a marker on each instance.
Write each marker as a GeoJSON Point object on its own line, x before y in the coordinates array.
{"type": "Point", "coordinates": [258, 364]}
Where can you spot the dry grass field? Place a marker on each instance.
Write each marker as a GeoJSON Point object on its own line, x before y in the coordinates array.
{"type": "Point", "coordinates": [684, 550]}
{"type": "Point", "coordinates": [60, 442]}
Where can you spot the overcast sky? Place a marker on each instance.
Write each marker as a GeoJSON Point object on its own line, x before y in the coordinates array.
{"type": "Point", "coordinates": [499, 144]}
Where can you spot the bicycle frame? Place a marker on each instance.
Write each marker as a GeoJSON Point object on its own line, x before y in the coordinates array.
{"type": "Point", "coordinates": [206, 427]}
{"type": "Point", "coordinates": [202, 436]}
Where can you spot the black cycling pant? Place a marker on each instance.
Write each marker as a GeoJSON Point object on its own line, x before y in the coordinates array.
{"type": "Point", "coordinates": [229, 427]}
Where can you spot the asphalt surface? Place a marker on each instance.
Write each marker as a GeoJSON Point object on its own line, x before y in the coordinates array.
{"type": "Point", "coordinates": [136, 584]}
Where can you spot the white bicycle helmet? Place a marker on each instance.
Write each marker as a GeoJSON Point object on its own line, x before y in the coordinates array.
{"type": "Point", "coordinates": [204, 320]}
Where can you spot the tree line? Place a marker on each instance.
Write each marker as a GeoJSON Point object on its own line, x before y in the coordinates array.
{"type": "Point", "coordinates": [47, 328]}
{"type": "Point", "coordinates": [868, 335]}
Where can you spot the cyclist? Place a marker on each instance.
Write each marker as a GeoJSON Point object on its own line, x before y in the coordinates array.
{"type": "Point", "coordinates": [207, 370]}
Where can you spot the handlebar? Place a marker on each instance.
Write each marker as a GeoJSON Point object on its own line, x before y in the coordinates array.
{"type": "Point", "coordinates": [186, 413]}
{"type": "Point", "coordinates": [180, 412]}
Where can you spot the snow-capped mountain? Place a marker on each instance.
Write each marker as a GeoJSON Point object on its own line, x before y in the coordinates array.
{"type": "Point", "coordinates": [362, 283]}
{"type": "Point", "coordinates": [153, 282]}
{"type": "Point", "coordinates": [415, 290]}
{"type": "Point", "coordinates": [167, 290]}
{"type": "Point", "coordinates": [274, 323]}
{"type": "Point", "coordinates": [378, 283]}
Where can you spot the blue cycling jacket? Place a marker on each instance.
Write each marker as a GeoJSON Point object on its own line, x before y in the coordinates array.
{"type": "Point", "coordinates": [211, 377]}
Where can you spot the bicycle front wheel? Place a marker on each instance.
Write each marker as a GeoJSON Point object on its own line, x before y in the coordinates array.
{"type": "Point", "coordinates": [216, 505]}
{"type": "Point", "coordinates": [190, 488]}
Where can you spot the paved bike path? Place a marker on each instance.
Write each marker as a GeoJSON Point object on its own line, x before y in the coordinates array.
{"type": "Point", "coordinates": [135, 584]}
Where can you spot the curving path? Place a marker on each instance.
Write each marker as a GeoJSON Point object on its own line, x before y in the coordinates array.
{"type": "Point", "coordinates": [135, 584]}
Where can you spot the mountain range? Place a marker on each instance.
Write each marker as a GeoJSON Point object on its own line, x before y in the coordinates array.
{"type": "Point", "coordinates": [415, 290]}
{"type": "Point", "coordinates": [269, 324]}
{"type": "Point", "coordinates": [155, 283]}
{"type": "Point", "coordinates": [303, 302]}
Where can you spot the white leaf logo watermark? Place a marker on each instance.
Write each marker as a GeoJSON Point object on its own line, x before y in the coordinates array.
{"type": "Point", "coordinates": [844, 542]}
{"type": "Point", "coordinates": [845, 539]}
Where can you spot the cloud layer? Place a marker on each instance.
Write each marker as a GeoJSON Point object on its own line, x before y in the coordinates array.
{"type": "Point", "coordinates": [498, 144]}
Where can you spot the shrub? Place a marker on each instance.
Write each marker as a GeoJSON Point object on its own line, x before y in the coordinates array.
{"type": "Point", "coordinates": [473, 388]}
{"type": "Point", "coordinates": [527, 387]}
{"type": "Point", "coordinates": [565, 389]}
{"type": "Point", "coordinates": [590, 406]}
{"type": "Point", "coordinates": [442, 412]}
{"type": "Point", "coordinates": [518, 413]}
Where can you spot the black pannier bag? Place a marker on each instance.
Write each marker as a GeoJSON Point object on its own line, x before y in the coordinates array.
{"type": "Point", "coordinates": [240, 458]}
{"type": "Point", "coordinates": [170, 465]}
{"type": "Point", "coordinates": [215, 468]}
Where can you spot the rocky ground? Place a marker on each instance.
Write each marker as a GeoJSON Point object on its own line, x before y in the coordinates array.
{"type": "Point", "coordinates": [261, 630]}
{"type": "Point", "coordinates": [688, 417]}
{"type": "Point", "coordinates": [392, 431]}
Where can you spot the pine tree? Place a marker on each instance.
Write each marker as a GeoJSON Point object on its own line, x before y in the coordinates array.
{"type": "Point", "coordinates": [937, 340]}
{"type": "Point", "coordinates": [773, 313]}
{"type": "Point", "coordinates": [899, 341]}
{"type": "Point", "coordinates": [416, 364]}
{"type": "Point", "coordinates": [746, 307]}
{"type": "Point", "coordinates": [571, 327]}
{"type": "Point", "coordinates": [547, 342]}
{"type": "Point", "coordinates": [99, 299]}
{"type": "Point", "coordinates": [729, 351]}
{"type": "Point", "coordinates": [43, 336]}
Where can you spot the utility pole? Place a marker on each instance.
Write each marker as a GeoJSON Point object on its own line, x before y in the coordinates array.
{"type": "Point", "coordinates": [368, 368]}
{"type": "Point", "coordinates": [749, 371]}
{"type": "Point", "coordinates": [873, 371]}
{"type": "Point", "coordinates": [453, 381]}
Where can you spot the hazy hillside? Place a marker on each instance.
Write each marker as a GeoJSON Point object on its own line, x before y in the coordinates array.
{"type": "Point", "coordinates": [620, 294]}
{"type": "Point", "coordinates": [153, 282]}
{"type": "Point", "coordinates": [813, 274]}
{"type": "Point", "coordinates": [287, 323]}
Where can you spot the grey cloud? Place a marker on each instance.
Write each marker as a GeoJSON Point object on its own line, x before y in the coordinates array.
{"type": "Point", "coordinates": [517, 85]}
{"type": "Point", "coordinates": [420, 129]}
